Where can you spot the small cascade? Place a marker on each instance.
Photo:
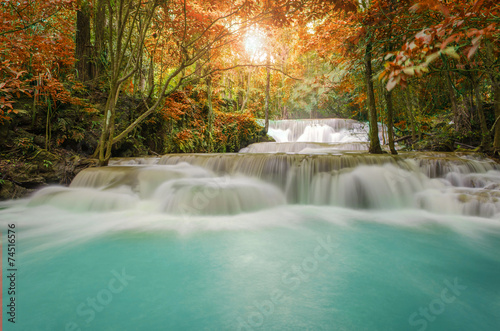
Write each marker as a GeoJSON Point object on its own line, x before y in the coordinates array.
{"type": "Point", "coordinates": [375, 187]}
{"type": "Point", "coordinates": [266, 165]}
{"type": "Point", "coordinates": [318, 130]}
{"type": "Point", "coordinates": [436, 165]}
{"type": "Point", "coordinates": [304, 147]}
{"type": "Point", "coordinates": [316, 136]}
{"type": "Point", "coordinates": [438, 182]}
{"type": "Point", "coordinates": [133, 161]}
{"type": "Point", "coordinates": [488, 180]}
{"type": "Point", "coordinates": [142, 179]}
{"type": "Point", "coordinates": [217, 196]}
{"type": "Point", "coordinates": [179, 188]}
{"type": "Point", "coordinates": [460, 201]}
{"type": "Point", "coordinates": [84, 199]}
{"type": "Point", "coordinates": [328, 130]}
{"type": "Point", "coordinates": [104, 177]}
{"type": "Point", "coordinates": [360, 180]}
{"type": "Point", "coordinates": [278, 169]}
{"type": "Point", "coordinates": [150, 178]}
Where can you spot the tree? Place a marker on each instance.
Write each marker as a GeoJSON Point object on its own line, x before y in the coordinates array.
{"type": "Point", "coordinates": [372, 110]}
{"type": "Point", "coordinates": [129, 22]}
{"type": "Point", "coordinates": [359, 22]}
{"type": "Point", "coordinates": [37, 53]}
{"type": "Point", "coordinates": [450, 42]}
{"type": "Point", "coordinates": [83, 52]}
{"type": "Point", "coordinates": [189, 36]}
{"type": "Point", "coordinates": [99, 55]}
{"type": "Point", "coordinates": [268, 83]}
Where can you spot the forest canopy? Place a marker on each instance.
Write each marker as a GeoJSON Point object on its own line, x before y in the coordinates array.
{"type": "Point", "coordinates": [109, 78]}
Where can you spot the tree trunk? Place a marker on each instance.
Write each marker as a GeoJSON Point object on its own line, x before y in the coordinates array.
{"type": "Point", "coordinates": [390, 121]}
{"type": "Point", "coordinates": [485, 133]}
{"type": "Point", "coordinates": [247, 94]}
{"type": "Point", "coordinates": [409, 110]}
{"type": "Point", "coordinates": [454, 103]}
{"type": "Point", "coordinates": [105, 142]}
{"type": "Point", "coordinates": [99, 33]}
{"type": "Point", "coordinates": [496, 100]}
{"type": "Point", "coordinates": [372, 110]}
{"type": "Point", "coordinates": [268, 83]}
{"type": "Point", "coordinates": [83, 46]}
{"type": "Point", "coordinates": [151, 75]}
{"type": "Point", "coordinates": [382, 127]}
{"type": "Point", "coordinates": [139, 78]}
{"type": "Point", "coordinates": [210, 114]}
{"type": "Point", "coordinates": [240, 94]}
{"type": "Point", "coordinates": [388, 94]}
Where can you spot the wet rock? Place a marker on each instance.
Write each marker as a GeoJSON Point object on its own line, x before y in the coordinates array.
{"type": "Point", "coordinates": [10, 190]}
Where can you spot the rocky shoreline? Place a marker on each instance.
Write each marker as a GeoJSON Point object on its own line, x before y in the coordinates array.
{"type": "Point", "coordinates": [21, 176]}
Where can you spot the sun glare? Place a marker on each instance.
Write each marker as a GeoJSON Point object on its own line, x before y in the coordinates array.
{"type": "Point", "coordinates": [253, 44]}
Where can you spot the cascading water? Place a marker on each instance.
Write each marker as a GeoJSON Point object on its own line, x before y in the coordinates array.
{"type": "Point", "coordinates": [316, 136]}
{"type": "Point", "coordinates": [322, 130]}
{"type": "Point", "coordinates": [302, 235]}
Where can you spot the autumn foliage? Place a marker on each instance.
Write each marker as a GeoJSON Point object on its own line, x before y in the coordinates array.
{"type": "Point", "coordinates": [185, 116]}
{"type": "Point", "coordinates": [182, 75]}
{"type": "Point", "coordinates": [37, 51]}
{"type": "Point", "coordinates": [458, 30]}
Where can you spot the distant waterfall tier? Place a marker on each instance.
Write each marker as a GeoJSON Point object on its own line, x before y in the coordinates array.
{"type": "Point", "coordinates": [305, 147]}
{"type": "Point", "coordinates": [328, 130]}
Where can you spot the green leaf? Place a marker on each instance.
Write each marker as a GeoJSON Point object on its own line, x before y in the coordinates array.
{"type": "Point", "coordinates": [450, 51]}
{"type": "Point", "coordinates": [409, 71]}
{"type": "Point", "coordinates": [431, 58]}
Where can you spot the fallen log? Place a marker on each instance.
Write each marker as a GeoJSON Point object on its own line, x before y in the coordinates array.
{"type": "Point", "coordinates": [402, 138]}
{"type": "Point", "coordinates": [456, 143]}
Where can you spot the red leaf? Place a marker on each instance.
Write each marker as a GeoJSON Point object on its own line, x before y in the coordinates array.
{"type": "Point", "coordinates": [449, 40]}
{"type": "Point", "coordinates": [472, 51]}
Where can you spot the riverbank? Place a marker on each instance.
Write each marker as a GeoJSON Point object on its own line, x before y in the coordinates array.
{"type": "Point", "coordinates": [21, 175]}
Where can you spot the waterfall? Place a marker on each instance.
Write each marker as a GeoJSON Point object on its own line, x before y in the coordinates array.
{"type": "Point", "coordinates": [306, 173]}
{"type": "Point", "coordinates": [346, 180]}
{"type": "Point", "coordinates": [304, 147]}
{"type": "Point", "coordinates": [316, 136]}
{"type": "Point", "coordinates": [329, 130]}
{"type": "Point", "coordinates": [308, 232]}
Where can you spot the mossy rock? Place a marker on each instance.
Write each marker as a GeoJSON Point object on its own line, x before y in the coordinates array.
{"type": "Point", "coordinates": [10, 190]}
